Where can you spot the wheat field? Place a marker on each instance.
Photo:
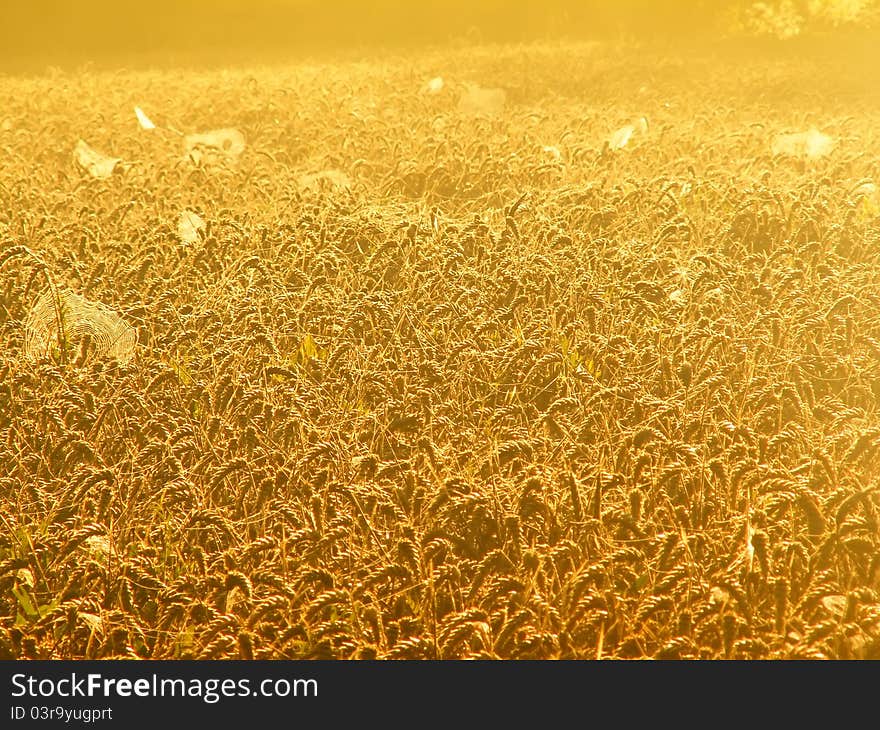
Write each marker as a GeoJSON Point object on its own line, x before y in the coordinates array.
{"type": "Point", "coordinates": [573, 355]}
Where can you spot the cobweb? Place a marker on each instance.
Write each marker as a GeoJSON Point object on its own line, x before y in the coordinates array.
{"type": "Point", "coordinates": [189, 227]}
{"type": "Point", "coordinates": [478, 100]}
{"type": "Point", "coordinates": [811, 144]}
{"type": "Point", "coordinates": [621, 137]}
{"type": "Point", "coordinates": [109, 333]}
{"type": "Point", "coordinates": [95, 163]}
{"type": "Point", "coordinates": [228, 143]}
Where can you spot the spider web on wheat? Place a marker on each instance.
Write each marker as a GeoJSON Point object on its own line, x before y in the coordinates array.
{"type": "Point", "coordinates": [109, 333]}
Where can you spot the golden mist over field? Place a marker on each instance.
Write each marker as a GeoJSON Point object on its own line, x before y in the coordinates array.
{"type": "Point", "coordinates": [440, 330]}
{"type": "Point", "coordinates": [168, 31]}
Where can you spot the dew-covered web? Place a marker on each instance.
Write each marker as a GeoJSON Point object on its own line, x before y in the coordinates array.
{"type": "Point", "coordinates": [109, 333]}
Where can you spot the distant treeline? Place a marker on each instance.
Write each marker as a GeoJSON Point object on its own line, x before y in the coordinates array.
{"type": "Point", "coordinates": [64, 31]}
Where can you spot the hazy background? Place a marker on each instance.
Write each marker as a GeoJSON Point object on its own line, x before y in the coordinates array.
{"type": "Point", "coordinates": [35, 33]}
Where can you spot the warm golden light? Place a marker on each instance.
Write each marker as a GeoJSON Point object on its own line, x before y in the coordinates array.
{"type": "Point", "coordinates": [57, 31]}
{"type": "Point", "coordinates": [433, 330]}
